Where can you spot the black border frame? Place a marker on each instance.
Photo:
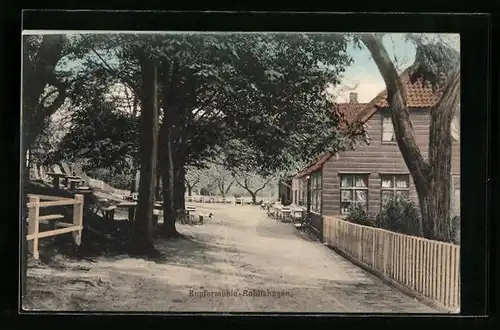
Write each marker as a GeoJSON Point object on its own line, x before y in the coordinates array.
{"type": "Point", "coordinates": [475, 33]}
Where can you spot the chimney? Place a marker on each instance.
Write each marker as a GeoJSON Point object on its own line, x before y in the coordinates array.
{"type": "Point", "coordinates": [353, 97]}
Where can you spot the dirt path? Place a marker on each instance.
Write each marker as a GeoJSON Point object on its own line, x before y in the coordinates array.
{"type": "Point", "coordinates": [239, 261]}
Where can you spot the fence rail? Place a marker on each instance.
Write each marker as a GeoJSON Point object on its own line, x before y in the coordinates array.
{"type": "Point", "coordinates": [428, 267]}
{"type": "Point", "coordinates": [34, 219]}
{"type": "Point", "coordinates": [218, 199]}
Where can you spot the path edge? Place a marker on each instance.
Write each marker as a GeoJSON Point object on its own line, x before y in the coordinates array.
{"type": "Point", "coordinates": [396, 285]}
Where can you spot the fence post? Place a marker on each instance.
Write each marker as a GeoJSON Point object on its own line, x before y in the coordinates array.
{"type": "Point", "coordinates": [374, 262]}
{"type": "Point", "coordinates": [33, 225]}
{"type": "Point", "coordinates": [78, 218]}
{"type": "Point", "coordinates": [386, 258]}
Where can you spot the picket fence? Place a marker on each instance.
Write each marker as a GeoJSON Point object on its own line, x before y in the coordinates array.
{"type": "Point", "coordinates": [430, 268]}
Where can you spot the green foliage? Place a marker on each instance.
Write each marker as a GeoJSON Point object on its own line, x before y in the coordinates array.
{"type": "Point", "coordinates": [455, 229]}
{"type": "Point", "coordinates": [400, 215]}
{"type": "Point", "coordinates": [116, 180]}
{"type": "Point", "coordinates": [357, 214]}
{"type": "Point", "coordinates": [260, 91]}
{"type": "Point", "coordinates": [433, 60]}
{"type": "Point", "coordinates": [106, 138]}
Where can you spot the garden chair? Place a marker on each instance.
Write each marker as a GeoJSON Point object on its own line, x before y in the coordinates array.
{"type": "Point", "coordinates": [286, 214]}
{"type": "Point", "coordinates": [106, 208]}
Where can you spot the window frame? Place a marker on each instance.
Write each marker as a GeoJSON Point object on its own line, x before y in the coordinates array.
{"type": "Point", "coordinates": [353, 190]}
{"type": "Point", "coordinates": [386, 115]}
{"type": "Point", "coordinates": [393, 189]}
{"type": "Point", "coordinates": [316, 188]}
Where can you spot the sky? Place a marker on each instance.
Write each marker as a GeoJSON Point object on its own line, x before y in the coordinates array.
{"type": "Point", "coordinates": [363, 73]}
{"type": "Point", "coordinates": [362, 76]}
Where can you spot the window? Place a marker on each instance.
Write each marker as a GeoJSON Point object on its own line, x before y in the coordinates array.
{"type": "Point", "coordinates": [353, 190]}
{"type": "Point", "coordinates": [394, 185]}
{"type": "Point", "coordinates": [303, 193]}
{"type": "Point", "coordinates": [316, 192]}
{"type": "Point", "coordinates": [388, 134]}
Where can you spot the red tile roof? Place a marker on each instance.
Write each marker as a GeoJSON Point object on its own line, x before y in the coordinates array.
{"type": "Point", "coordinates": [419, 94]}
{"type": "Point", "coordinates": [349, 110]}
{"type": "Point", "coordinates": [315, 165]}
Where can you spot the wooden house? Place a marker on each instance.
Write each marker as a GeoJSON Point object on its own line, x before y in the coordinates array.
{"type": "Point", "coordinates": [374, 171]}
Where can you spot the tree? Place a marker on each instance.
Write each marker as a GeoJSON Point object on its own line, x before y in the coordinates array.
{"type": "Point", "coordinates": [432, 176]}
{"type": "Point", "coordinates": [110, 142]}
{"type": "Point", "coordinates": [262, 93]}
{"type": "Point", "coordinates": [141, 237]}
{"type": "Point", "coordinates": [219, 177]}
{"type": "Point", "coordinates": [40, 58]}
{"type": "Point", "coordinates": [193, 177]}
{"type": "Point", "coordinates": [251, 183]}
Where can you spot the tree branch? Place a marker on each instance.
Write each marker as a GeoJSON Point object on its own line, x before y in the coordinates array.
{"type": "Point", "coordinates": [229, 187]}
{"type": "Point", "coordinates": [400, 114]}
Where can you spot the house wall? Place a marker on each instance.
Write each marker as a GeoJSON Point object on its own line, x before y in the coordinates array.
{"type": "Point", "coordinates": [285, 190]}
{"type": "Point", "coordinates": [376, 158]}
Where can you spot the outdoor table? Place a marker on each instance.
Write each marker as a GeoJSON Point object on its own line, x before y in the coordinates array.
{"type": "Point", "coordinates": [131, 206]}
{"type": "Point", "coordinates": [71, 181]}
{"type": "Point", "coordinates": [56, 177]}
{"type": "Point", "coordinates": [190, 210]}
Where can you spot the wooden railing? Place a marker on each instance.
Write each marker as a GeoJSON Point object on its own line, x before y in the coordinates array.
{"type": "Point", "coordinates": [428, 267]}
{"type": "Point", "coordinates": [34, 219]}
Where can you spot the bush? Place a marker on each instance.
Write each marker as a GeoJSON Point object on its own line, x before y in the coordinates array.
{"type": "Point", "coordinates": [358, 215]}
{"type": "Point", "coordinates": [400, 215]}
{"type": "Point", "coordinates": [455, 230]}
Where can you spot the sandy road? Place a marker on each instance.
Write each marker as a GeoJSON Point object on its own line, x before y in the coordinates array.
{"type": "Point", "coordinates": [239, 261]}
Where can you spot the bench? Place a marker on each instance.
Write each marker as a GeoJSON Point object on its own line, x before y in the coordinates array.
{"type": "Point", "coordinates": [108, 211]}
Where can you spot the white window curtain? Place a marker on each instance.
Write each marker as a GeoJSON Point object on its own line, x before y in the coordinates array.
{"type": "Point", "coordinates": [386, 182]}
{"type": "Point", "coordinates": [401, 182]}
{"type": "Point", "coordinates": [361, 196]}
{"type": "Point", "coordinates": [360, 182]}
{"type": "Point", "coordinates": [346, 181]}
{"type": "Point", "coordinates": [387, 129]}
{"type": "Point", "coordinates": [346, 195]}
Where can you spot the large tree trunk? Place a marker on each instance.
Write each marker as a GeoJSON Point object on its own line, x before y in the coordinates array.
{"type": "Point", "coordinates": [167, 156]}
{"type": "Point", "coordinates": [168, 174]}
{"type": "Point", "coordinates": [158, 185]}
{"type": "Point", "coordinates": [141, 238]}
{"type": "Point", "coordinates": [38, 72]}
{"type": "Point", "coordinates": [180, 188]}
{"type": "Point", "coordinates": [432, 178]}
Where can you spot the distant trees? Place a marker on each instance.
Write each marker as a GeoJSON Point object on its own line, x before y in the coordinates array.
{"type": "Point", "coordinates": [252, 183]}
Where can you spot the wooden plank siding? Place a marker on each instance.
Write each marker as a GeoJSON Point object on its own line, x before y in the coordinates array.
{"type": "Point", "coordinates": [378, 158]}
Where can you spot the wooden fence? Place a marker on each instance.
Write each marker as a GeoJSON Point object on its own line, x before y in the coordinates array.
{"type": "Point", "coordinates": [431, 268]}
{"type": "Point", "coordinates": [34, 219]}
